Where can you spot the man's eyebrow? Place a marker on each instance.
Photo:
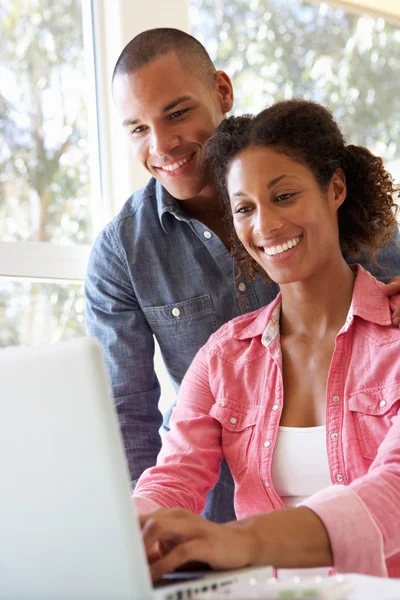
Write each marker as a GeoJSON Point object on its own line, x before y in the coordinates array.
{"type": "Point", "coordinates": [166, 108]}
{"type": "Point", "coordinates": [130, 122]}
{"type": "Point", "coordinates": [175, 103]}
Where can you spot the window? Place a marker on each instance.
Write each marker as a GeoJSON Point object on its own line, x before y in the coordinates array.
{"type": "Point", "coordinates": [280, 49]}
{"type": "Point", "coordinates": [48, 167]}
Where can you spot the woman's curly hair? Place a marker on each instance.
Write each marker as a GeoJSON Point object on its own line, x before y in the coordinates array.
{"type": "Point", "coordinates": [306, 132]}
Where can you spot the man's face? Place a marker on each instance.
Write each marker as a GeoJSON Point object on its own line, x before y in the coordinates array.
{"type": "Point", "coordinates": [169, 113]}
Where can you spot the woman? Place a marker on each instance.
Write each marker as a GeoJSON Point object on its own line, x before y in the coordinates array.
{"type": "Point", "coordinates": [301, 397]}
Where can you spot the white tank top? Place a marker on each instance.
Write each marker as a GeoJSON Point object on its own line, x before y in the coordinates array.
{"type": "Point", "coordinates": [300, 463]}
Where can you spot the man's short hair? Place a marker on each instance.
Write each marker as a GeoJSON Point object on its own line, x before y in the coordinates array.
{"type": "Point", "coordinates": [153, 43]}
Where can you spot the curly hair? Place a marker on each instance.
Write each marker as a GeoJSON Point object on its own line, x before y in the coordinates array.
{"type": "Point", "coordinates": [307, 133]}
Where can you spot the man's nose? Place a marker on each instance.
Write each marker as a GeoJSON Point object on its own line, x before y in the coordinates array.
{"type": "Point", "coordinates": [162, 142]}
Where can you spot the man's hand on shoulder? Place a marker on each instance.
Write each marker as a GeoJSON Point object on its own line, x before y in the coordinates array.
{"type": "Point", "coordinates": [392, 290]}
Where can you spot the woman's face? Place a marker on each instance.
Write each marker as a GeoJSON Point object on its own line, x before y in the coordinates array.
{"type": "Point", "coordinates": [282, 217]}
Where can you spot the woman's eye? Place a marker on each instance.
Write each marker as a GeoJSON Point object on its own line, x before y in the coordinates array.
{"type": "Point", "coordinates": [283, 197]}
{"type": "Point", "coordinates": [242, 210]}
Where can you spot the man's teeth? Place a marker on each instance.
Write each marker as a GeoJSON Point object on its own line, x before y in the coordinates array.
{"type": "Point", "coordinates": [272, 250]}
{"type": "Point", "coordinates": [176, 165]}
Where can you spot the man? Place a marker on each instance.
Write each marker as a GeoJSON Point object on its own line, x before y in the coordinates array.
{"type": "Point", "coordinates": [162, 267]}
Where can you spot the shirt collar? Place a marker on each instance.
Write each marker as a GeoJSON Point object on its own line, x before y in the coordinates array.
{"type": "Point", "coordinates": [168, 204]}
{"type": "Point", "coordinates": [368, 302]}
{"type": "Point", "coordinates": [270, 315]}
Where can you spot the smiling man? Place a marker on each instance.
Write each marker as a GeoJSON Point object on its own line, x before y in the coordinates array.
{"type": "Point", "coordinates": [162, 268]}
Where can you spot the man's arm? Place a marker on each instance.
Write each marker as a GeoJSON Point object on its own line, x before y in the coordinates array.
{"type": "Point", "coordinates": [387, 261]}
{"type": "Point", "coordinates": [115, 318]}
{"type": "Point", "coordinates": [386, 270]}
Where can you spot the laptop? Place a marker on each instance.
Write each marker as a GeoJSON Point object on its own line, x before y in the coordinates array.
{"type": "Point", "coordinates": [67, 525]}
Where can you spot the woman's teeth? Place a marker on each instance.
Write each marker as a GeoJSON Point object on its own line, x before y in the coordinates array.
{"type": "Point", "coordinates": [273, 250]}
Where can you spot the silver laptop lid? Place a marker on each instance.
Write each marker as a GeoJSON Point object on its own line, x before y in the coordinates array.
{"type": "Point", "coordinates": [67, 526]}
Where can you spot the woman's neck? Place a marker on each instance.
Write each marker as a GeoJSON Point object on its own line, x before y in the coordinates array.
{"type": "Point", "coordinates": [319, 304]}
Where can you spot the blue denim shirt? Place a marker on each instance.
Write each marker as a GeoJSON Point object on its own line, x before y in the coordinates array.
{"type": "Point", "coordinates": [155, 272]}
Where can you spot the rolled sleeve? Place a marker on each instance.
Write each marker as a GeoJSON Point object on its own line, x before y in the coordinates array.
{"type": "Point", "coordinates": [144, 505]}
{"type": "Point", "coordinates": [356, 541]}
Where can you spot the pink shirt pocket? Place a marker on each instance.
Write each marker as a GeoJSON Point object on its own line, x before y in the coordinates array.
{"type": "Point", "coordinates": [237, 422]}
{"type": "Point", "coordinates": [373, 410]}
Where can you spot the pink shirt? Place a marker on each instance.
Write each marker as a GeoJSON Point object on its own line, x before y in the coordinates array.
{"type": "Point", "coordinates": [230, 404]}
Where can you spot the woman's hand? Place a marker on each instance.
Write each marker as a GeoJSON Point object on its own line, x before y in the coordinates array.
{"type": "Point", "coordinates": [392, 289]}
{"type": "Point", "coordinates": [288, 538]}
{"type": "Point", "coordinates": [176, 537]}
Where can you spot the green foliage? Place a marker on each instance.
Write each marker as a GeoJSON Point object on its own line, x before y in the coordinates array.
{"type": "Point", "coordinates": [44, 174]}
{"type": "Point", "coordinates": [34, 312]}
{"type": "Point", "coordinates": [279, 49]}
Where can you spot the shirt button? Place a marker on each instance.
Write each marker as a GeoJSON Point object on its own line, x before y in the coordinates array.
{"type": "Point", "coordinates": [275, 407]}
{"type": "Point", "coordinates": [339, 478]}
{"type": "Point", "coordinates": [335, 398]}
{"type": "Point", "coordinates": [266, 483]}
{"type": "Point", "coordinates": [176, 312]}
{"type": "Point", "coordinates": [207, 234]}
{"type": "Point", "coordinates": [382, 403]}
{"type": "Point", "coordinates": [233, 420]}
{"type": "Point", "coordinates": [267, 444]}
{"type": "Point", "coordinates": [334, 436]}
{"type": "Point", "coordinates": [242, 287]}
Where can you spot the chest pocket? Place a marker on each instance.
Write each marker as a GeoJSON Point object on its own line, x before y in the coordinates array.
{"type": "Point", "coordinates": [373, 410]}
{"type": "Point", "coordinates": [181, 329]}
{"type": "Point", "coordinates": [238, 423]}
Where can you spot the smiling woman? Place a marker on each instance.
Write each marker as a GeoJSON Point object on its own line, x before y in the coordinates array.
{"type": "Point", "coordinates": [296, 195]}
{"type": "Point", "coordinates": [283, 158]}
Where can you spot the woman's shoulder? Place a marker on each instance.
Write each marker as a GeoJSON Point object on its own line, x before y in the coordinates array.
{"type": "Point", "coordinates": [241, 331]}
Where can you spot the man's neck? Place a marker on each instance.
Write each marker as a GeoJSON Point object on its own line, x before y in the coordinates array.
{"type": "Point", "coordinates": [208, 209]}
{"type": "Point", "coordinates": [202, 206]}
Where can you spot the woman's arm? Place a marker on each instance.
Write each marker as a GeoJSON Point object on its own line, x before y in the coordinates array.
{"type": "Point", "coordinates": [285, 538]}
{"type": "Point", "coordinates": [363, 518]}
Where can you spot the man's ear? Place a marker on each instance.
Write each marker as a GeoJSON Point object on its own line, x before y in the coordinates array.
{"type": "Point", "coordinates": [224, 90]}
{"type": "Point", "coordinates": [338, 188]}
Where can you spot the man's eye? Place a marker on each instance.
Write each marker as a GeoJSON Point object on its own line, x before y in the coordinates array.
{"type": "Point", "coordinates": [178, 113]}
{"type": "Point", "coordinates": [139, 129]}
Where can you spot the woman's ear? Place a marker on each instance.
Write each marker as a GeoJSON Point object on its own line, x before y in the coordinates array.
{"type": "Point", "coordinates": [338, 188]}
